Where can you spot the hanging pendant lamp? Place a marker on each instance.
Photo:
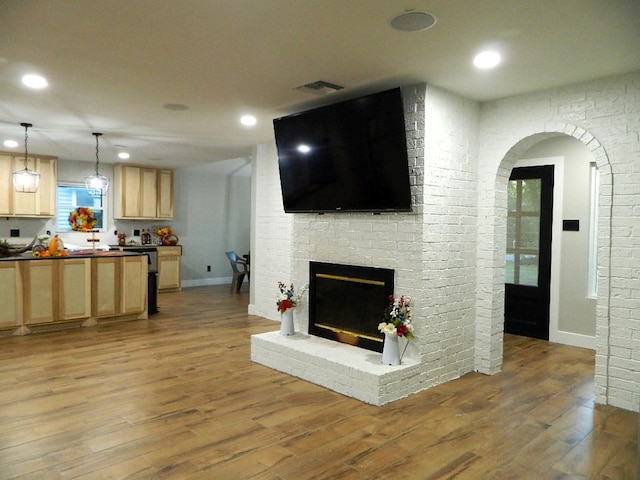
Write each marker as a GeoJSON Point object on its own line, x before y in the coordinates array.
{"type": "Point", "coordinates": [26, 181]}
{"type": "Point", "coordinates": [97, 185]}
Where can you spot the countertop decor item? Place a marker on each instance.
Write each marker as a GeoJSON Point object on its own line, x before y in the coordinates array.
{"type": "Point", "coordinates": [170, 240]}
{"type": "Point", "coordinates": [8, 250]}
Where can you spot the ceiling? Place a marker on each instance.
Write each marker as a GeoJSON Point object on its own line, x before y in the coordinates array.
{"type": "Point", "coordinates": [112, 65]}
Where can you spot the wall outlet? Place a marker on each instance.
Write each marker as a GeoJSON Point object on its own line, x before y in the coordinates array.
{"type": "Point", "coordinates": [136, 232]}
{"type": "Point", "coordinates": [208, 268]}
{"type": "Point", "coordinates": [15, 232]}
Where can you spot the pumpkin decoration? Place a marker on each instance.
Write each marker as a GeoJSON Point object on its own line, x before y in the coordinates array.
{"type": "Point", "coordinates": [55, 244]}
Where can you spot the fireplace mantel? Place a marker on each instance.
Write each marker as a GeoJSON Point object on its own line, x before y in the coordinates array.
{"type": "Point", "coordinates": [346, 369]}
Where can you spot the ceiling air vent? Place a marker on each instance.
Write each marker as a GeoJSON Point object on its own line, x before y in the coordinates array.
{"type": "Point", "coordinates": [319, 88]}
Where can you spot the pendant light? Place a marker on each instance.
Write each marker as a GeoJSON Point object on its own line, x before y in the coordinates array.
{"type": "Point", "coordinates": [26, 181]}
{"type": "Point", "coordinates": [97, 185]}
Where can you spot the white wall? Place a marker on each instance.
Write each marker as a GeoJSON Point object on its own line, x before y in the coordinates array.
{"type": "Point", "coordinates": [212, 216]}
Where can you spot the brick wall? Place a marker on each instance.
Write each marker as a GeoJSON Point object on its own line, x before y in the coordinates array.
{"type": "Point", "coordinates": [605, 116]}
{"type": "Point", "coordinates": [449, 253]}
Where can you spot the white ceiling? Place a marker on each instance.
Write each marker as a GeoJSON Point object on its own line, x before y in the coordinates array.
{"type": "Point", "coordinates": [113, 64]}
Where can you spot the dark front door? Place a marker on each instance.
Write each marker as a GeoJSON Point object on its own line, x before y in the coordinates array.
{"type": "Point", "coordinates": [528, 256]}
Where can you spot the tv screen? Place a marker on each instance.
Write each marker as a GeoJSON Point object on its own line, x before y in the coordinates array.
{"type": "Point", "coordinates": [345, 157]}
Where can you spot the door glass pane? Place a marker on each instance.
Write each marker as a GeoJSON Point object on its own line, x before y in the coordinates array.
{"type": "Point", "coordinates": [528, 270]}
{"type": "Point", "coordinates": [523, 232]}
{"type": "Point", "coordinates": [512, 196]}
{"type": "Point", "coordinates": [531, 195]}
{"type": "Point", "coordinates": [529, 238]}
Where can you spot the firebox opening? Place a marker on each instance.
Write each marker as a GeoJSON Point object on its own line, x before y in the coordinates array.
{"type": "Point", "coordinates": [346, 302]}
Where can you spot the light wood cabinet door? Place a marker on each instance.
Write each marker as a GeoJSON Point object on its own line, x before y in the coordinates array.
{"type": "Point", "coordinates": [148, 192]}
{"type": "Point", "coordinates": [46, 195]}
{"type": "Point", "coordinates": [43, 202]}
{"type": "Point", "coordinates": [119, 285]}
{"type": "Point", "coordinates": [74, 280]}
{"type": "Point", "coordinates": [40, 291]}
{"type": "Point", "coordinates": [165, 194]}
{"type": "Point", "coordinates": [134, 284]}
{"type": "Point", "coordinates": [127, 185]}
{"type": "Point", "coordinates": [105, 286]}
{"type": "Point", "coordinates": [6, 184]}
{"type": "Point", "coordinates": [169, 269]}
{"type": "Point", "coordinates": [10, 295]}
{"type": "Point", "coordinates": [19, 204]}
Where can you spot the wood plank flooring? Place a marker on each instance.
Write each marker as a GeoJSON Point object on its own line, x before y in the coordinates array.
{"type": "Point", "coordinates": [177, 397]}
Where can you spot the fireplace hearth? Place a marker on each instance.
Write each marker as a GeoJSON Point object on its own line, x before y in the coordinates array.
{"type": "Point", "coordinates": [346, 303]}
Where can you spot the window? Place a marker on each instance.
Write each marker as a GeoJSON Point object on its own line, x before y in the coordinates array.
{"type": "Point", "coordinates": [71, 196]}
{"type": "Point", "coordinates": [592, 281]}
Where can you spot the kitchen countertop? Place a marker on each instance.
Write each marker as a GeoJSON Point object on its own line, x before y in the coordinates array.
{"type": "Point", "coordinates": [76, 254]}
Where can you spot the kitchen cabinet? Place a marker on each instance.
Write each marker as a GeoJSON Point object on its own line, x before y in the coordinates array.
{"type": "Point", "coordinates": [74, 280]}
{"type": "Point", "coordinates": [19, 204]}
{"type": "Point", "coordinates": [56, 290]}
{"type": "Point", "coordinates": [169, 269]}
{"type": "Point", "coordinates": [45, 292]}
{"type": "Point", "coordinates": [165, 193]}
{"type": "Point", "coordinates": [119, 285]}
{"type": "Point", "coordinates": [134, 285]}
{"type": "Point", "coordinates": [10, 295]}
{"type": "Point", "coordinates": [143, 192]}
{"type": "Point", "coordinates": [40, 291]}
{"type": "Point", "coordinates": [105, 285]}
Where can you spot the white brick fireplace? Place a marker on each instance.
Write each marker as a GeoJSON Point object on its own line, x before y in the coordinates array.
{"type": "Point", "coordinates": [449, 253]}
{"type": "Point", "coordinates": [431, 249]}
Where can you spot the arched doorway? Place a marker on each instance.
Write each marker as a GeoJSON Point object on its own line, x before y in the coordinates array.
{"type": "Point", "coordinates": [492, 239]}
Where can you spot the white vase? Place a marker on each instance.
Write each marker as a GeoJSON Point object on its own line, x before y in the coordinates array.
{"type": "Point", "coordinates": [286, 322]}
{"type": "Point", "coordinates": [391, 350]}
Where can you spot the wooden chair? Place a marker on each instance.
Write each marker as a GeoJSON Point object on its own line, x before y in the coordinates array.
{"type": "Point", "coordinates": [240, 269]}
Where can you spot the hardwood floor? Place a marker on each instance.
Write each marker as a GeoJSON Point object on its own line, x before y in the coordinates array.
{"type": "Point", "coordinates": [177, 397]}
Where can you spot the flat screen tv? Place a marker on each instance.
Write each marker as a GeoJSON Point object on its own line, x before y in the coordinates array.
{"type": "Point", "coordinates": [346, 157]}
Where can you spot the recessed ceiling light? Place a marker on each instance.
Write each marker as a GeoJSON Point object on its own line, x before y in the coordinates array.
{"type": "Point", "coordinates": [123, 155]}
{"type": "Point", "coordinates": [487, 59]}
{"type": "Point", "coordinates": [412, 21]}
{"type": "Point", "coordinates": [248, 120]}
{"type": "Point", "coordinates": [10, 143]}
{"type": "Point", "coordinates": [35, 81]}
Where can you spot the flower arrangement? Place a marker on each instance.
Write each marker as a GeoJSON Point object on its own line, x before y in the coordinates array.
{"type": "Point", "coordinates": [288, 298]}
{"type": "Point", "coordinates": [397, 318]}
{"type": "Point", "coordinates": [82, 219]}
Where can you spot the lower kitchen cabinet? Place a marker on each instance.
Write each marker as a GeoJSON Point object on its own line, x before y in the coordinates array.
{"type": "Point", "coordinates": [43, 292]}
{"type": "Point", "coordinates": [169, 269]}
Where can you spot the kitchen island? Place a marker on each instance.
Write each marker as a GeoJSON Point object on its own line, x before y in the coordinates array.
{"type": "Point", "coordinates": [81, 289]}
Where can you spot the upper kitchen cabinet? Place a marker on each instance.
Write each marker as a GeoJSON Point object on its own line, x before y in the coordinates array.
{"type": "Point", "coordinates": [18, 204]}
{"type": "Point", "coordinates": [143, 192]}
